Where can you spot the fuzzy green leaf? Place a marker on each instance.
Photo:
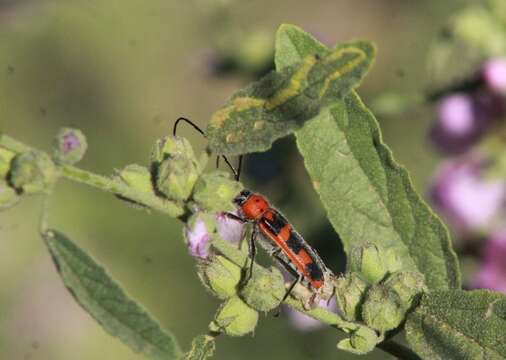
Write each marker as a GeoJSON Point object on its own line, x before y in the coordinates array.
{"type": "Point", "coordinates": [459, 324]}
{"type": "Point", "coordinates": [369, 198]}
{"type": "Point", "coordinates": [283, 100]}
{"type": "Point", "coordinates": [203, 347]}
{"type": "Point", "coordinates": [106, 302]}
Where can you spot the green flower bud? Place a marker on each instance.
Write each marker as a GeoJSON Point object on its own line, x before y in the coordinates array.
{"type": "Point", "coordinates": [368, 260]}
{"type": "Point", "coordinates": [70, 146]}
{"type": "Point", "coordinates": [406, 285]}
{"type": "Point", "coordinates": [137, 177]}
{"type": "Point", "coordinates": [361, 341]}
{"type": "Point", "coordinates": [220, 276]}
{"type": "Point", "coordinates": [157, 154]}
{"type": "Point", "coordinates": [32, 172]}
{"type": "Point", "coordinates": [176, 147]}
{"type": "Point", "coordinates": [176, 177]}
{"type": "Point", "coordinates": [392, 260]}
{"type": "Point", "coordinates": [176, 167]}
{"type": "Point", "coordinates": [8, 196]}
{"type": "Point", "coordinates": [265, 289]}
{"type": "Point", "coordinates": [382, 309]}
{"type": "Point", "coordinates": [234, 318]}
{"type": "Point", "coordinates": [6, 157]}
{"type": "Point", "coordinates": [350, 291]}
{"type": "Point", "coordinates": [215, 191]}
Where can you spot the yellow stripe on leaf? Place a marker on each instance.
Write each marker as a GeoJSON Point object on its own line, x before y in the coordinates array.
{"type": "Point", "coordinates": [347, 67]}
{"type": "Point", "coordinates": [294, 88]}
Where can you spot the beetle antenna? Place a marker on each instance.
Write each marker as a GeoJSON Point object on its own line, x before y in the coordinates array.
{"type": "Point", "coordinates": [236, 173]}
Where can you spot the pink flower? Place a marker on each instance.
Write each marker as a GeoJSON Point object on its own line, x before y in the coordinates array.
{"type": "Point", "coordinates": [198, 238]}
{"type": "Point", "coordinates": [229, 229]}
{"type": "Point", "coordinates": [494, 74]}
{"type": "Point", "coordinates": [463, 197]}
{"type": "Point", "coordinates": [70, 142]}
{"type": "Point", "coordinates": [198, 235]}
{"type": "Point", "coordinates": [492, 274]}
{"type": "Point", "coordinates": [462, 119]}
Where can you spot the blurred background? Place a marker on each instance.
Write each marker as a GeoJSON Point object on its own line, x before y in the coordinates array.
{"type": "Point", "coordinates": [123, 71]}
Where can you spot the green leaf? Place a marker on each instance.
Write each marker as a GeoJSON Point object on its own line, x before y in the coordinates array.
{"type": "Point", "coordinates": [203, 347]}
{"type": "Point", "coordinates": [369, 198]}
{"type": "Point", "coordinates": [282, 101]}
{"type": "Point", "coordinates": [106, 302]}
{"type": "Point", "coordinates": [293, 44]}
{"type": "Point", "coordinates": [459, 324]}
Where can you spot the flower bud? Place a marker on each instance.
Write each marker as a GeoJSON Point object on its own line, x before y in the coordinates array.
{"type": "Point", "coordinates": [265, 289]}
{"type": "Point", "coordinates": [234, 318]}
{"type": "Point", "coordinates": [198, 234]}
{"type": "Point", "coordinates": [220, 276]}
{"type": "Point", "coordinates": [215, 191]}
{"type": "Point", "coordinates": [176, 167]}
{"type": "Point", "coordinates": [70, 146]}
{"type": "Point", "coordinates": [407, 284]}
{"type": "Point", "coordinates": [176, 147]}
{"type": "Point", "coordinates": [360, 342]}
{"type": "Point", "coordinates": [176, 177]}
{"type": "Point", "coordinates": [6, 157]}
{"type": "Point", "coordinates": [382, 309]}
{"type": "Point", "coordinates": [368, 260]}
{"type": "Point", "coordinates": [136, 176]}
{"type": "Point", "coordinates": [32, 172]}
{"type": "Point", "coordinates": [350, 290]}
{"type": "Point", "coordinates": [8, 196]}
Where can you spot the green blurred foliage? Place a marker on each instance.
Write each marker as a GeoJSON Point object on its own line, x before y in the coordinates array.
{"type": "Point", "coordinates": [123, 71]}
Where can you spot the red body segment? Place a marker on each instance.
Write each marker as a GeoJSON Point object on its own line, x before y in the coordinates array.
{"type": "Point", "coordinates": [276, 228]}
{"type": "Point", "coordinates": [254, 207]}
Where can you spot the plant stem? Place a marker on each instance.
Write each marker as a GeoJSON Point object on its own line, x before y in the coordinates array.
{"type": "Point", "coordinates": [144, 198]}
{"type": "Point", "coordinates": [148, 199]}
{"type": "Point", "coordinates": [12, 144]}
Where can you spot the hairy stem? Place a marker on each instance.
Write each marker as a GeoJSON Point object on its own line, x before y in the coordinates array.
{"type": "Point", "coordinates": [12, 144]}
{"type": "Point", "coordinates": [111, 185]}
{"type": "Point", "coordinates": [148, 199]}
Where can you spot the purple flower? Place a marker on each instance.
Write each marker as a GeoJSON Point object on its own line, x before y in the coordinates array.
{"type": "Point", "coordinates": [494, 74]}
{"type": "Point", "coordinates": [70, 146]}
{"type": "Point", "coordinates": [461, 120]}
{"type": "Point", "coordinates": [70, 142]}
{"type": "Point", "coordinates": [463, 197]}
{"type": "Point", "coordinates": [492, 274]}
{"type": "Point", "coordinates": [198, 238]}
{"type": "Point", "coordinates": [302, 322]}
{"type": "Point", "coordinates": [229, 229]}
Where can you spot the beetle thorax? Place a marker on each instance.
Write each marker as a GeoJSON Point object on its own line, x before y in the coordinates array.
{"type": "Point", "coordinates": [254, 206]}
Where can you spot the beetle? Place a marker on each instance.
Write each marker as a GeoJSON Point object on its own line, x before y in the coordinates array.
{"type": "Point", "coordinates": [278, 237]}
